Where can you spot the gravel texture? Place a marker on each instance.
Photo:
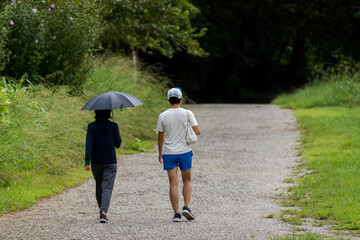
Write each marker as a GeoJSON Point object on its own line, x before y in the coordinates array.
{"type": "Point", "coordinates": [240, 161]}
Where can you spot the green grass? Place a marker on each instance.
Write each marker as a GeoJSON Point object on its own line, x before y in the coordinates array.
{"type": "Point", "coordinates": [32, 186]}
{"type": "Point", "coordinates": [306, 236]}
{"type": "Point", "coordinates": [42, 135]}
{"type": "Point", "coordinates": [330, 140]}
{"type": "Point", "coordinates": [334, 90]}
{"type": "Point", "coordinates": [328, 112]}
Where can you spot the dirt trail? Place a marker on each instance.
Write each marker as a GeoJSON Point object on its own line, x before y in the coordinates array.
{"type": "Point", "coordinates": [240, 161]}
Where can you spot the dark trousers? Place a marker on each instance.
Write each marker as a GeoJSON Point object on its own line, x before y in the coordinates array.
{"type": "Point", "coordinates": [104, 175]}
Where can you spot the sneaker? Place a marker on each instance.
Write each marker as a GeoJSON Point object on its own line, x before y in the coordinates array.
{"type": "Point", "coordinates": [103, 218]}
{"type": "Point", "coordinates": [186, 212]}
{"type": "Point", "coordinates": [177, 217]}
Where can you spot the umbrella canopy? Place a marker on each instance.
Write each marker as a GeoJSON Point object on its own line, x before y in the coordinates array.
{"type": "Point", "coordinates": [112, 100]}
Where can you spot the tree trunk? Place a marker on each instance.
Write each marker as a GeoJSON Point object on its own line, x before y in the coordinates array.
{"type": "Point", "coordinates": [134, 57]}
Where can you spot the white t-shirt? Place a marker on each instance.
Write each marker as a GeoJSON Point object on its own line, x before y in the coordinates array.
{"type": "Point", "coordinates": [173, 122]}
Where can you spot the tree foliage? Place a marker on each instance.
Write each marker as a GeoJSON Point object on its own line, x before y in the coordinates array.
{"type": "Point", "coordinates": [5, 11]}
{"type": "Point", "coordinates": [162, 26]}
{"type": "Point", "coordinates": [50, 41]}
{"type": "Point", "coordinates": [260, 48]}
{"type": "Point", "coordinates": [54, 41]}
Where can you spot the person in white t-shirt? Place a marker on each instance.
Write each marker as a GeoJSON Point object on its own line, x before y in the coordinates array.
{"type": "Point", "coordinates": [174, 151]}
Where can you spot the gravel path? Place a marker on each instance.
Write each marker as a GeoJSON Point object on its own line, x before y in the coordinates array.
{"type": "Point", "coordinates": [240, 161]}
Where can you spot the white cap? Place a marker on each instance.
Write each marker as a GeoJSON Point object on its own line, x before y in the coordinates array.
{"type": "Point", "coordinates": [174, 92]}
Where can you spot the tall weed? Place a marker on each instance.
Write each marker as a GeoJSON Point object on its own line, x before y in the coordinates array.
{"type": "Point", "coordinates": [10, 91]}
{"type": "Point", "coordinates": [42, 138]}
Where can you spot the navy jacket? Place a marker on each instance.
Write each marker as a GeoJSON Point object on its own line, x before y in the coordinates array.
{"type": "Point", "coordinates": [101, 139]}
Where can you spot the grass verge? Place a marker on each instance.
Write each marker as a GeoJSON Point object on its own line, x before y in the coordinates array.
{"type": "Point", "coordinates": [306, 236]}
{"type": "Point", "coordinates": [329, 116]}
{"type": "Point", "coordinates": [42, 134]}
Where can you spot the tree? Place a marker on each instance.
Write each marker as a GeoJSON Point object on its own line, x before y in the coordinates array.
{"type": "Point", "coordinates": [162, 26]}
{"type": "Point", "coordinates": [262, 47]}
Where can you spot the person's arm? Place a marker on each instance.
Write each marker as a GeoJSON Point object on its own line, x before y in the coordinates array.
{"type": "Point", "coordinates": [193, 122]}
{"type": "Point", "coordinates": [117, 137]}
{"type": "Point", "coordinates": [88, 148]}
{"type": "Point", "coordinates": [161, 136]}
{"type": "Point", "coordinates": [196, 129]}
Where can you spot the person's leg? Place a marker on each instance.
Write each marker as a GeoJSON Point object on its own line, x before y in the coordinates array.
{"type": "Point", "coordinates": [185, 163]}
{"type": "Point", "coordinates": [186, 178]}
{"type": "Point", "coordinates": [107, 186]}
{"type": "Point", "coordinates": [174, 193]}
{"type": "Point", "coordinates": [97, 171]}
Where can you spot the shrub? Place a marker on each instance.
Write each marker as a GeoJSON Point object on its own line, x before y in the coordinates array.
{"type": "Point", "coordinates": [5, 11]}
{"type": "Point", "coordinates": [50, 40]}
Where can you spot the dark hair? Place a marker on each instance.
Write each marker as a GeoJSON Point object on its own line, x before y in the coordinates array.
{"type": "Point", "coordinates": [174, 100]}
{"type": "Point", "coordinates": [102, 114]}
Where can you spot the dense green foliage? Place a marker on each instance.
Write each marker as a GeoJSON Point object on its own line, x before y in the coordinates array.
{"type": "Point", "coordinates": [4, 31]}
{"type": "Point", "coordinates": [261, 48]}
{"type": "Point", "coordinates": [329, 115]}
{"type": "Point", "coordinates": [42, 134]}
{"type": "Point", "coordinates": [51, 41]}
{"type": "Point", "coordinates": [153, 25]}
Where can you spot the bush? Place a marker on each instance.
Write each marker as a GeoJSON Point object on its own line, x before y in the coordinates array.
{"type": "Point", "coordinates": [5, 11]}
{"type": "Point", "coordinates": [51, 41]}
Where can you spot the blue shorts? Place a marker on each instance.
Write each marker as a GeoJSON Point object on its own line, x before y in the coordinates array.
{"type": "Point", "coordinates": [184, 161]}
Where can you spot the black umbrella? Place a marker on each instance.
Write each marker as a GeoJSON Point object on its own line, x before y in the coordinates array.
{"type": "Point", "coordinates": [112, 100]}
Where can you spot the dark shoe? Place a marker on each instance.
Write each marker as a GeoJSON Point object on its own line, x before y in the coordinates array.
{"type": "Point", "coordinates": [177, 217]}
{"type": "Point", "coordinates": [103, 218]}
{"type": "Point", "coordinates": [186, 212]}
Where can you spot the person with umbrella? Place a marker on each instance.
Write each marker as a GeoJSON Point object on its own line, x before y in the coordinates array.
{"type": "Point", "coordinates": [174, 151]}
{"type": "Point", "coordinates": [102, 137]}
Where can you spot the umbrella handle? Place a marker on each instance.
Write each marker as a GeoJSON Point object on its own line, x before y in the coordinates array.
{"type": "Point", "coordinates": [113, 116]}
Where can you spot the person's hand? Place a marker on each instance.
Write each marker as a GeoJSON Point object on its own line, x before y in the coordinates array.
{"type": "Point", "coordinates": [160, 158]}
{"type": "Point", "coordinates": [87, 167]}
